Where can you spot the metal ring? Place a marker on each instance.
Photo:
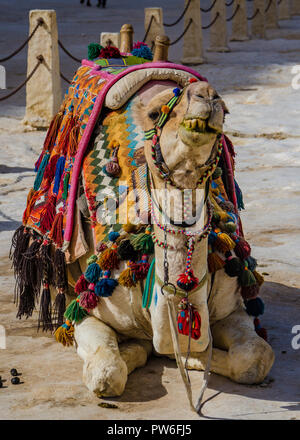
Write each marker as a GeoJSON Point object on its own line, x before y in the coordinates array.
{"type": "Point", "coordinates": [165, 285]}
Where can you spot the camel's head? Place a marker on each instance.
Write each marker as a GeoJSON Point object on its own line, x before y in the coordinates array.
{"type": "Point", "coordinates": [190, 133]}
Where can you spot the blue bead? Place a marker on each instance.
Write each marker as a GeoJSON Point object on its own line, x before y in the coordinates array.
{"type": "Point", "coordinates": [180, 326]}
{"type": "Point", "coordinates": [176, 91]}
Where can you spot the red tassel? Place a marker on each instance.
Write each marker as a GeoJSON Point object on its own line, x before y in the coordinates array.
{"type": "Point", "coordinates": [187, 281]}
{"type": "Point", "coordinates": [52, 132]}
{"type": "Point", "coordinates": [81, 285]}
{"type": "Point", "coordinates": [49, 172]}
{"type": "Point", "coordinates": [65, 135]}
{"type": "Point", "coordinates": [56, 233]}
{"type": "Point", "coordinates": [242, 249]}
{"type": "Point", "coordinates": [73, 140]}
{"type": "Point", "coordinates": [88, 300]}
{"type": "Point", "coordinates": [48, 214]}
{"type": "Point", "coordinates": [140, 269]}
{"type": "Point", "coordinates": [188, 320]}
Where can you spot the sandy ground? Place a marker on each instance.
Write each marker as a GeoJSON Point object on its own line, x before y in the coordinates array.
{"type": "Point", "coordinates": [255, 81]}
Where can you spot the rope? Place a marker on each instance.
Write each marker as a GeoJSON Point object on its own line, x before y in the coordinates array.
{"type": "Point", "coordinates": [40, 59]}
{"type": "Point", "coordinates": [210, 8]}
{"type": "Point", "coordinates": [64, 78]}
{"type": "Point", "coordinates": [234, 14]}
{"type": "Point", "coordinates": [183, 33]}
{"type": "Point", "coordinates": [148, 28]}
{"type": "Point", "coordinates": [254, 15]}
{"type": "Point", "coordinates": [40, 21]}
{"type": "Point", "coordinates": [181, 16]}
{"type": "Point", "coordinates": [229, 3]}
{"type": "Point", "coordinates": [268, 7]}
{"type": "Point", "coordinates": [213, 22]}
{"type": "Point", "coordinates": [67, 52]}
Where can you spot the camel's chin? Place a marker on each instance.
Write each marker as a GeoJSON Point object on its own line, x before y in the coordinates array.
{"type": "Point", "coordinates": [196, 137]}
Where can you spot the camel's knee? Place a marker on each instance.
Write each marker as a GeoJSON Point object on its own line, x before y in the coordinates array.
{"type": "Point", "coordinates": [250, 362]}
{"type": "Point", "coordinates": [105, 373]}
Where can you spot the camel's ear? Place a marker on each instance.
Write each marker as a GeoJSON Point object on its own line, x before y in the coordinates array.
{"type": "Point", "coordinates": [224, 107]}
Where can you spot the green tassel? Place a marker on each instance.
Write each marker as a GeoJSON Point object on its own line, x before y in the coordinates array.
{"type": "Point", "coordinates": [92, 259]}
{"type": "Point", "coordinates": [74, 312]}
{"type": "Point", "coordinates": [40, 173]}
{"type": "Point", "coordinates": [66, 186]}
{"type": "Point", "coordinates": [246, 278]}
{"type": "Point", "coordinates": [143, 242]}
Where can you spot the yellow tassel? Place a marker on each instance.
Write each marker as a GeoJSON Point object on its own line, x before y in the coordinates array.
{"type": "Point", "coordinates": [129, 227]}
{"type": "Point", "coordinates": [126, 278]}
{"type": "Point", "coordinates": [214, 262]}
{"type": "Point", "coordinates": [65, 335]}
{"type": "Point", "coordinates": [224, 243]}
{"type": "Point", "coordinates": [259, 278]}
{"type": "Point", "coordinates": [109, 259]}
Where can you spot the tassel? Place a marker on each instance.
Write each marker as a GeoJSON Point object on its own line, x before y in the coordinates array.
{"type": "Point", "coordinates": [140, 269]}
{"type": "Point", "coordinates": [214, 262]}
{"type": "Point", "coordinates": [88, 300]}
{"type": "Point", "coordinates": [259, 278]}
{"type": "Point", "coordinates": [233, 266]}
{"type": "Point", "coordinates": [58, 173]}
{"type": "Point", "coordinates": [47, 263]}
{"type": "Point", "coordinates": [224, 243]}
{"type": "Point", "coordinates": [56, 233]}
{"type": "Point", "coordinates": [74, 312]}
{"type": "Point", "coordinates": [32, 197]}
{"type": "Point", "coordinates": [73, 139]}
{"type": "Point", "coordinates": [143, 241]}
{"type": "Point", "coordinates": [242, 248]}
{"type": "Point", "coordinates": [255, 307]}
{"type": "Point", "coordinates": [93, 273]}
{"type": "Point", "coordinates": [65, 134]}
{"type": "Point", "coordinates": [229, 227]}
{"type": "Point", "coordinates": [45, 310]}
{"type": "Point", "coordinates": [246, 277]}
{"type": "Point", "coordinates": [112, 168]}
{"type": "Point", "coordinates": [130, 227]}
{"type": "Point", "coordinates": [239, 196]}
{"type": "Point", "coordinates": [40, 173]}
{"type": "Point", "coordinates": [38, 162]}
{"type": "Point", "coordinates": [65, 334]}
{"type": "Point", "coordinates": [81, 285]}
{"type": "Point", "coordinates": [106, 285]}
{"type": "Point", "coordinates": [48, 213]}
{"type": "Point", "coordinates": [101, 247]}
{"type": "Point", "coordinates": [127, 278]}
{"type": "Point", "coordinates": [261, 331]}
{"type": "Point", "coordinates": [113, 236]}
{"type": "Point", "coordinates": [92, 259]}
{"type": "Point", "coordinates": [252, 263]}
{"type": "Point", "coordinates": [66, 185]}
{"type": "Point", "coordinates": [109, 259]}
{"type": "Point", "coordinates": [19, 244]}
{"type": "Point", "coordinates": [53, 131]}
{"type": "Point", "coordinates": [188, 320]}
{"type": "Point", "coordinates": [126, 251]}
{"type": "Point", "coordinates": [187, 281]}
{"type": "Point", "coordinates": [50, 172]}
{"type": "Point", "coordinates": [59, 308]}
{"type": "Point", "coordinates": [250, 292]}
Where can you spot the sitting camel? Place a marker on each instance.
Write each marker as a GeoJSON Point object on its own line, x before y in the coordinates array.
{"type": "Point", "coordinates": [181, 288]}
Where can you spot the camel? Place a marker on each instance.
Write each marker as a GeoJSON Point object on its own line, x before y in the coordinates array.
{"type": "Point", "coordinates": [178, 119]}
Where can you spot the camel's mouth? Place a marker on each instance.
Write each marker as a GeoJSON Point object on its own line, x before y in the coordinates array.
{"type": "Point", "coordinates": [197, 125]}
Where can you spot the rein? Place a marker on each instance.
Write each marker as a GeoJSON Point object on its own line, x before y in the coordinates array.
{"type": "Point", "coordinates": [187, 282]}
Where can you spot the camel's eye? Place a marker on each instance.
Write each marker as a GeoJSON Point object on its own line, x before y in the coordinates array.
{"type": "Point", "coordinates": [153, 115]}
{"type": "Point", "coordinates": [200, 96]}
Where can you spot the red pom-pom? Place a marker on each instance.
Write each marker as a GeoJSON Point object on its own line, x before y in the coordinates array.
{"type": "Point", "coordinates": [140, 269]}
{"type": "Point", "coordinates": [242, 249]}
{"type": "Point", "coordinates": [110, 52]}
{"type": "Point", "coordinates": [193, 80]}
{"type": "Point", "coordinates": [139, 44]}
{"type": "Point", "coordinates": [81, 285]}
{"type": "Point", "coordinates": [187, 281]}
{"type": "Point", "coordinates": [88, 300]}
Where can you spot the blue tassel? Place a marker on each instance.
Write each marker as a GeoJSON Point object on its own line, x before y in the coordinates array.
{"type": "Point", "coordinates": [106, 285]}
{"type": "Point", "coordinates": [112, 236]}
{"type": "Point", "coordinates": [93, 273]}
{"type": "Point", "coordinates": [40, 173]}
{"type": "Point", "coordinates": [252, 263]}
{"type": "Point", "coordinates": [255, 307]}
{"type": "Point", "coordinates": [143, 52]}
{"type": "Point", "coordinates": [212, 237]}
{"type": "Point", "coordinates": [60, 166]}
{"type": "Point", "coordinates": [239, 196]}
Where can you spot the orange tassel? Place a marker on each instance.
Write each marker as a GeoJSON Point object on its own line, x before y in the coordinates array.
{"type": "Point", "coordinates": [73, 139]}
{"type": "Point", "coordinates": [48, 214]}
{"type": "Point", "coordinates": [56, 233]}
{"type": "Point", "coordinates": [109, 259]}
{"type": "Point", "coordinates": [65, 135]}
{"type": "Point", "coordinates": [53, 131]}
{"type": "Point", "coordinates": [31, 199]}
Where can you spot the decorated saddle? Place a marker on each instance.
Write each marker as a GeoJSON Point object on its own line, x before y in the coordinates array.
{"type": "Point", "coordinates": [94, 140]}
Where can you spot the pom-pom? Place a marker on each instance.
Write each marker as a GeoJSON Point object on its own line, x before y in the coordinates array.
{"type": "Point", "coordinates": [92, 273]}
{"type": "Point", "coordinates": [143, 241]}
{"type": "Point", "coordinates": [81, 285]}
{"type": "Point", "coordinates": [246, 277]}
{"type": "Point", "coordinates": [74, 312]}
{"type": "Point", "coordinates": [212, 237]}
{"type": "Point", "coordinates": [65, 334]}
{"type": "Point", "coordinates": [109, 52]}
{"type": "Point", "coordinates": [224, 243]}
{"type": "Point", "coordinates": [126, 251]}
{"type": "Point", "coordinates": [165, 109]}
{"type": "Point", "coordinates": [88, 300]}
{"type": "Point", "coordinates": [140, 269]}
{"type": "Point", "coordinates": [112, 236]}
{"type": "Point", "coordinates": [192, 80]}
{"type": "Point", "coordinates": [112, 168]}
{"type": "Point", "coordinates": [101, 247]}
{"type": "Point", "coordinates": [215, 262]}
{"type": "Point", "coordinates": [106, 285]}
{"type": "Point", "coordinates": [176, 91]}
{"type": "Point", "coordinates": [187, 281]}
{"type": "Point", "coordinates": [255, 307]}
{"type": "Point", "coordinates": [94, 50]}
{"type": "Point", "coordinates": [143, 52]}
{"type": "Point", "coordinates": [109, 258]}
{"type": "Point", "coordinates": [250, 292]}
{"type": "Point", "coordinates": [233, 267]}
{"type": "Point", "coordinates": [262, 332]}
{"type": "Point", "coordinates": [129, 227]}
{"type": "Point", "coordinates": [242, 248]}
{"type": "Point", "coordinates": [92, 259]}
{"type": "Point", "coordinates": [127, 278]}
{"type": "Point", "coordinates": [227, 206]}
{"type": "Point", "coordinates": [229, 227]}
{"type": "Point", "coordinates": [259, 278]}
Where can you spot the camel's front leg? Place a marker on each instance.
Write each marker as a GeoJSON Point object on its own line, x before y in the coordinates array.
{"type": "Point", "coordinates": [106, 367]}
{"type": "Point", "coordinates": [238, 353]}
